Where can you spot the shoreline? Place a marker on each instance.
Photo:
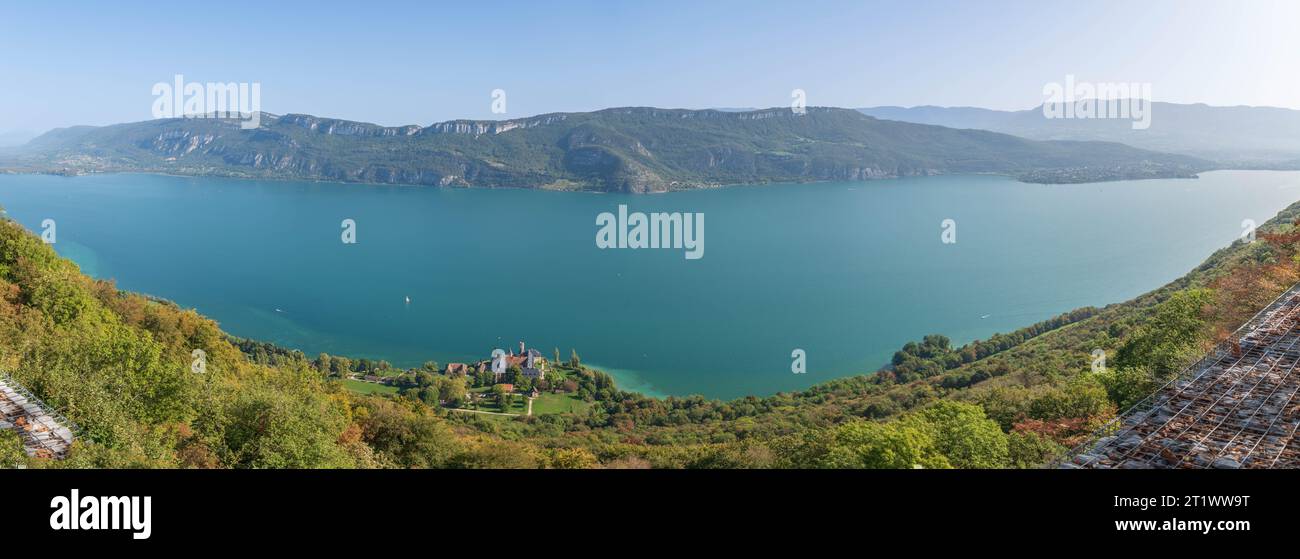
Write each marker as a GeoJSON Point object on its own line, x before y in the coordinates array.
{"type": "Point", "coordinates": [1018, 177]}
{"type": "Point", "coordinates": [630, 380]}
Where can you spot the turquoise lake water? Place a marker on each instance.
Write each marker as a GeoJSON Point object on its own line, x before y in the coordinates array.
{"type": "Point", "coordinates": [848, 272]}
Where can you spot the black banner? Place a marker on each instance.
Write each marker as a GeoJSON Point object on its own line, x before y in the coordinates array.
{"type": "Point", "coordinates": [230, 507]}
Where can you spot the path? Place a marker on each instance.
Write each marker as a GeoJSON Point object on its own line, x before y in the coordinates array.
{"type": "Point", "coordinates": [486, 412]}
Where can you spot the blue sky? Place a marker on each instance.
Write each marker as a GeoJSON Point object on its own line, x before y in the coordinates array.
{"type": "Point", "coordinates": [420, 62]}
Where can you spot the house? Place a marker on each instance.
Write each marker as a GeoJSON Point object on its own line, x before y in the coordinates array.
{"type": "Point", "coordinates": [534, 360]}
{"type": "Point", "coordinates": [457, 369]}
{"type": "Point", "coordinates": [507, 386]}
{"type": "Point", "coordinates": [530, 363]}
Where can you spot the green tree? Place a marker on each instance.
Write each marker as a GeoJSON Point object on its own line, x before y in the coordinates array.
{"type": "Point", "coordinates": [451, 390]}
{"type": "Point", "coordinates": [1082, 396]}
{"type": "Point", "coordinates": [964, 435]}
{"type": "Point", "coordinates": [1168, 340]}
{"type": "Point", "coordinates": [1126, 386]}
{"type": "Point", "coordinates": [322, 363]}
{"type": "Point", "coordinates": [1031, 450]}
{"type": "Point", "coordinates": [867, 444]}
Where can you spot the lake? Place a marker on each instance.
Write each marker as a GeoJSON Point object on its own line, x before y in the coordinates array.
{"type": "Point", "coordinates": [847, 272]}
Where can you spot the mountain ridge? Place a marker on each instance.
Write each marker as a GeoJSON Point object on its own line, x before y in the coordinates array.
{"type": "Point", "coordinates": [622, 149]}
{"type": "Point", "coordinates": [1233, 136]}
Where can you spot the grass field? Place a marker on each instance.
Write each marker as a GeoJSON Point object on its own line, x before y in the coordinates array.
{"type": "Point", "coordinates": [558, 403]}
{"type": "Point", "coordinates": [544, 404]}
{"type": "Point", "coordinates": [520, 405]}
{"type": "Point", "coordinates": [368, 387]}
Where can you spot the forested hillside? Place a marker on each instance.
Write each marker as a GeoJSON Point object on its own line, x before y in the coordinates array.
{"type": "Point", "coordinates": [631, 149]}
{"type": "Point", "coordinates": [119, 365]}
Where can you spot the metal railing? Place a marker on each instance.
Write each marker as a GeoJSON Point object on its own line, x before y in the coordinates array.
{"type": "Point", "coordinates": [18, 388]}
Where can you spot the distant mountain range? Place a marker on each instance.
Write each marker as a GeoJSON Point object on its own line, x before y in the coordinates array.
{"type": "Point", "coordinates": [1231, 136]}
{"type": "Point", "coordinates": [620, 150]}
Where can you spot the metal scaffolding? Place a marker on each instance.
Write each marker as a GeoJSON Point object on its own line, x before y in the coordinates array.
{"type": "Point", "coordinates": [45, 432]}
{"type": "Point", "coordinates": [1236, 407]}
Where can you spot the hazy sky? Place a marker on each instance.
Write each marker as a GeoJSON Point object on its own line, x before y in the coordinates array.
{"type": "Point", "coordinates": [421, 62]}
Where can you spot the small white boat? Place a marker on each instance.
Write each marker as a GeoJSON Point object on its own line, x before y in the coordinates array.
{"type": "Point", "coordinates": [982, 317]}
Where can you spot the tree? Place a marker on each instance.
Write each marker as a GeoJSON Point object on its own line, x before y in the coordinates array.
{"type": "Point", "coordinates": [406, 436]}
{"type": "Point", "coordinates": [506, 400]}
{"type": "Point", "coordinates": [574, 361]}
{"type": "Point", "coordinates": [964, 435]}
{"type": "Point", "coordinates": [1126, 386]}
{"type": "Point", "coordinates": [868, 444]}
{"type": "Point", "coordinates": [1168, 340]}
{"type": "Point", "coordinates": [340, 366]}
{"type": "Point", "coordinates": [514, 375]}
{"type": "Point", "coordinates": [1028, 449]}
{"type": "Point", "coordinates": [451, 390]}
{"type": "Point", "coordinates": [322, 363]}
{"type": "Point", "coordinates": [572, 458]}
{"type": "Point", "coordinates": [1082, 396]}
{"type": "Point", "coordinates": [555, 376]}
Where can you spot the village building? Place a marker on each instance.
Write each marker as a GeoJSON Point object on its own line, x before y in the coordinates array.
{"type": "Point", "coordinates": [530, 362]}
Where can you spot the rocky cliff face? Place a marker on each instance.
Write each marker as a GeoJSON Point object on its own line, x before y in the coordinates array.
{"type": "Point", "coordinates": [343, 127]}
